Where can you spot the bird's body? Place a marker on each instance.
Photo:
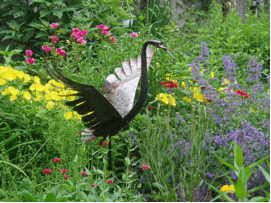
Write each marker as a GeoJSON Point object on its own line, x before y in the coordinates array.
{"type": "Point", "coordinates": [105, 115]}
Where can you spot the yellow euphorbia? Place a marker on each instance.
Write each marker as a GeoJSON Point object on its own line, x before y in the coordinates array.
{"type": "Point", "coordinates": [166, 98]}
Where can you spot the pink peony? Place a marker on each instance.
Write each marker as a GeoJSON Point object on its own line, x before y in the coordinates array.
{"type": "Point", "coordinates": [66, 177]}
{"type": "Point", "coordinates": [145, 167]}
{"type": "Point", "coordinates": [134, 34]}
{"type": "Point", "coordinates": [30, 60]}
{"type": "Point", "coordinates": [28, 53]}
{"type": "Point", "coordinates": [63, 170]}
{"type": "Point", "coordinates": [110, 181]}
{"type": "Point", "coordinates": [47, 171]}
{"type": "Point", "coordinates": [83, 173]}
{"type": "Point", "coordinates": [84, 32]}
{"type": "Point", "coordinates": [73, 35]}
{"type": "Point", "coordinates": [60, 51]}
{"type": "Point", "coordinates": [76, 30]}
{"type": "Point", "coordinates": [54, 25]}
{"type": "Point", "coordinates": [46, 48]}
{"type": "Point", "coordinates": [57, 160]}
{"type": "Point", "coordinates": [81, 41]}
{"type": "Point", "coordinates": [102, 27]}
{"type": "Point", "coordinates": [113, 40]}
{"type": "Point", "coordinates": [54, 38]}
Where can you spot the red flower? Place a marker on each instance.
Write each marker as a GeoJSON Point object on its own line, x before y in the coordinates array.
{"type": "Point", "coordinates": [28, 53]}
{"type": "Point", "coordinates": [169, 84]}
{"type": "Point", "coordinates": [133, 157]}
{"type": "Point", "coordinates": [104, 143]}
{"type": "Point", "coordinates": [150, 108]}
{"type": "Point", "coordinates": [54, 25]}
{"type": "Point", "coordinates": [57, 160]}
{"type": "Point", "coordinates": [130, 172]}
{"type": "Point", "coordinates": [60, 51]}
{"type": "Point", "coordinates": [145, 167]}
{"type": "Point", "coordinates": [99, 146]}
{"type": "Point", "coordinates": [92, 185]}
{"type": "Point", "coordinates": [84, 173]}
{"type": "Point", "coordinates": [242, 94]}
{"type": "Point", "coordinates": [113, 40]}
{"type": "Point", "coordinates": [54, 38]}
{"type": "Point", "coordinates": [47, 171]}
{"type": "Point", "coordinates": [30, 60]}
{"type": "Point", "coordinates": [63, 170]}
{"type": "Point", "coordinates": [66, 177]}
{"type": "Point", "coordinates": [110, 181]}
{"type": "Point", "coordinates": [93, 138]}
{"type": "Point", "coordinates": [46, 48]}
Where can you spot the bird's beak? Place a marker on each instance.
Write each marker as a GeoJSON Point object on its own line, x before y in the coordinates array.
{"type": "Point", "coordinates": [166, 49]}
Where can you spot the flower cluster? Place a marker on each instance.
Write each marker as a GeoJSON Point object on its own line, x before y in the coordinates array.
{"type": "Point", "coordinates": [79, 35]}
{"type": "Point", "coordinates": [169, 84]}
{"type": "Point", "coordinates": [166, 98]}
{"type": "Point", "coordinates": [105, 30]}
{"type": "Point", "coordinates": [226, 188]}
{"type": "Point", "coordinates": [28, 54]}
{"type": "Point", "coordinates": [242, 94]}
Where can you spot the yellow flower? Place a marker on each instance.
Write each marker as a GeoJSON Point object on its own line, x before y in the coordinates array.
{"type": "Point", "coordinates": [52, 95]}
{"type": "Point", "coordinates": [169, 77]}
{"type": "Point", "coordinates": [26, 78]}
{"type": "Point", "coordinates": [226, 188]}
{"type": "Point", "coordinates": [183, 85]}
{"type": "Point", "coordinates": [27, 95]}
{"type": "Point", "coordinates": [58, 84]}
{"type": "Point", "coordinates": [212, 74]}
{"type": "Point", "coordinates": [268, 91]}
{"type": "Point", "coordinates": [20, 74]}
{"type": "Point", "coordinates": [13, 97]}
{"type": "Point", "coordinates": [190, 69]}
{"type": "Point", "coordinates": [198, 96]}
{"type": "Point", "coordinates": [5, 92]}
{"type": "Point", "coordinates": [36, 79]}
{"type": "Point", "coordinates": [50, 105]}
{"type": "Point", "coordinates": [13, 91]}
{"type": "Point", "coordinates": [2, 81]}
{"type": "Point", "coordinates": [186, 99]}
{"type": "Point", "coordinates": [38, 96]}
{"type": "Point", "coordinates": [36, 86]}
{"type": "Point", "coordinates": [68, 115]}
{"type": "Point", "coordinates": [166, 98]}
{"type": "Point", "coordinates": [222, 89]}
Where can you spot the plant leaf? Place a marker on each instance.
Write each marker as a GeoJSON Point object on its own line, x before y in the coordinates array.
{"type": "Point", "coordinates": [50, 197]}
{"type": "Point", "coordinates": [265, 173]}
{"type": "Point", "coordinates": [225, 162]}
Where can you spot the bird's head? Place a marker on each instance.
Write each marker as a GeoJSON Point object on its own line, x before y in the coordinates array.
{"type": "Point", "coordinates": [159, 44]}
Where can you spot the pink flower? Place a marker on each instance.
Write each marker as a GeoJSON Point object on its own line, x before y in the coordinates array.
{"type": "Point", "coordinates": [106, 32]}
{"type": "Point", "coordinates": [93, 138]}
{"type": "Point", "coordinates": [84, 32]}
{"type": "Point", "coordinates": [60, 51]}
{"type": "Point", "coordinates": [54, 38]}
{"type": "Point", "coordinates": [83, 173]}
{"type": "Point", "coordinates": [104, 143]}
{"type": "Point", "coordinates": [28, 53]}
{"type": "Point", "coordinates": [74, 35]}
{"type": "Point", "coordinates": [130, 172]}
{"type": "Point", "coordinates": [57, 160]}
{"type": "Point", "coordinates": [110, 181]}
{"type": "Point", "coordinates": [92, 185]}
{"type": "Point", "coordinates": [66, 177]}
{"type": "Point", "coordinates": [81, 41]}
{"type": "Point", "coordinates": [30, 60]}
{"type": "Point", "coordinates": [46, 48]}
{"type": "Point", "coordinates": [63, 170]}
{"type": "Point", "coordinates": [76, 30]}
{"type": "Point", "coordinates": [54, 25]}
{"type": "Point", "coordinates": [47, 171]}
{"type": "Point", "coordinates": [113, 40]}
{"type": "Point", "coordinates": [134, 34]}
{"type": "Point", "coordinates": [102, 27]}
{"type": "Point", "coordinates": [145, 167]}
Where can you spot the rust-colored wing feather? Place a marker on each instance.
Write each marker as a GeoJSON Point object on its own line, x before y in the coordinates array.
{"type": "Point", "coordinates": [120, 91]}
{"type": "Point", "coordinates": [99, 115]}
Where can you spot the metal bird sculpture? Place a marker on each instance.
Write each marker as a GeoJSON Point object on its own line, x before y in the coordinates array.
{"type": "Point", "coordinates": [105, 115]}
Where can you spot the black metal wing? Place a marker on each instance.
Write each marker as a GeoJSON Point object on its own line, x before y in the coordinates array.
{"type": "Point", "coordinates": [99, 115]}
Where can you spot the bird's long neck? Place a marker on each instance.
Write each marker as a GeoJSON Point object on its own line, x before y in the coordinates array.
{"type": "Point", "coordinates": [144, 85]}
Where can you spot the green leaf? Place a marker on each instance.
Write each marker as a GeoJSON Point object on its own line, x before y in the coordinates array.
{"type": "Point", "coordinates": [258, 188]}
{"type": "Point", "coordinates": [44, 12]}
{"type": "Point", "coordinates": [265, 173]}
{"type": "Point", "coordinates": [240, 190]}
{"type": "Point", "coordinates": [55, 189]}
{"type": "Point", "coordinates": [158, 185]}
{"type": "Point", "coordinates": [58, 13]}
{"type": "Point", "coordinates": [41, 34]}
{"type": "Point", "coordinates": [258, 199]}
{"type": "Point", "coordinates": [43, 1]}
{"type": "Point", "coordinates": [100, 171]}
{"type": "Point", "coordinates": [258, 162]}
{"type": "Point", "coordinates": [225, 162]}
{"type": "Point", "coordinates": [238, 154]}
{"type": "Point", "coordinates": [50, 197]}
{"type": "Point", "coordinates": [75, 158]}
{"type": "Point", "coordinates": [29, 197]}
{"type": "Point", "coordinates": [222, 194]}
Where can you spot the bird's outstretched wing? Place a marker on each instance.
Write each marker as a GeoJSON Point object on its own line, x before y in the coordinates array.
{"type": "Point", "coordinates": [120, 91]}
{"type": "Point", "coordinates": [99, 115]}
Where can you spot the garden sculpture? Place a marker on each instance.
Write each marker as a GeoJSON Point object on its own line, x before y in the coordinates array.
{"type": "Point", "coordinates": [105, 115]}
